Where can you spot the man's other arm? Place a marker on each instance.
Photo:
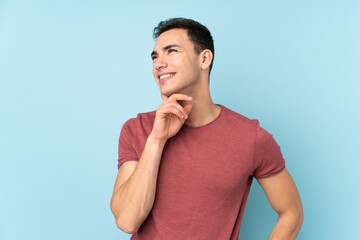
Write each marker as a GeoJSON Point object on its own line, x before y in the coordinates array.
{"type": "Point", "coordinates": [135, 186]}
{"type": "Point", "coordinates": [284, 198]}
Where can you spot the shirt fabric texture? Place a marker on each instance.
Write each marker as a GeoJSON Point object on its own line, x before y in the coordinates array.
{"type": "Point", "coordinates": [204, 175]}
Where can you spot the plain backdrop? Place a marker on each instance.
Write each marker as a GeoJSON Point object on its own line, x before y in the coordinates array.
{"type": "Point", "coordinates": [72, 72]}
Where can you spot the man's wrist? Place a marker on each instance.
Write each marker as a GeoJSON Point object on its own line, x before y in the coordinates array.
{"type": "Point", "coordinates": [153, 140]}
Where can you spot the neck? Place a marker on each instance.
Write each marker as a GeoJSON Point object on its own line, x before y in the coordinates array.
{"type": "Point", "coordinates": [203, 109]}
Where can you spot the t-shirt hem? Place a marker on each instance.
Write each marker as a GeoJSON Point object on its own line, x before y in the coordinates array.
{"type": "Point", "coordinates": [272, 173]}
{"type": "Point", "coordinates": [123, 161]}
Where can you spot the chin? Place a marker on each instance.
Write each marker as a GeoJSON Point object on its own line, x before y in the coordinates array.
{"type": "Point", "coordinates": [168, 93]}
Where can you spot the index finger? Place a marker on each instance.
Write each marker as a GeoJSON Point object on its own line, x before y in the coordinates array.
{"type": "Point", "coordinates": [180, 96]}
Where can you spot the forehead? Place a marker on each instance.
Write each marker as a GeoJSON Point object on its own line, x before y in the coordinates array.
{"type": "Point", "coordinates": [173, 36]}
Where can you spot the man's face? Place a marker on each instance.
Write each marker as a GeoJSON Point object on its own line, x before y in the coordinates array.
{"type": "Point", "coordinates": [176, 66]}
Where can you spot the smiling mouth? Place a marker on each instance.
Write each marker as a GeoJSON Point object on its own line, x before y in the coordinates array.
{"type": "Point", "coordinates": [166, 77]}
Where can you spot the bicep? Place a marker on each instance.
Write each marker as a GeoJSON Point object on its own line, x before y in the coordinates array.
{"type": "Point", "coordinates": [125, 171]}
{"type": "Point", "coordinates": [281, 191]}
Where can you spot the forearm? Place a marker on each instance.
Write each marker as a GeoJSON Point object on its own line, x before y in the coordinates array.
{"type": "Point", "coordinates": [134, 199]}
{"type": "Point", "coordinates": [287, 226]}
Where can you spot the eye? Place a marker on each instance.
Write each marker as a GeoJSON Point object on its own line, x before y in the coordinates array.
{"type": "Point", "coordinates": [171, 50]}
{"type": "Point", "coordinates": [153, 57]}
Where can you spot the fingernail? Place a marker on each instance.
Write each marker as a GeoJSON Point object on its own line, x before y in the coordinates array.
{"type": "Point", "coordinates": [189, 97]}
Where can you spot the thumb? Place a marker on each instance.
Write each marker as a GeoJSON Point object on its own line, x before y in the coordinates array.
{"type": "Point", "coordinates": [188, 106]}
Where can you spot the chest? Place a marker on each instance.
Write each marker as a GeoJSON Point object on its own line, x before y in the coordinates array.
{"type": "Point", "coordinates": [211, 163]}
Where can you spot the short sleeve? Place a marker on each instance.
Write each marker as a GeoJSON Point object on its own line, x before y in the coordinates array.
{"type": "Point", "coordinates": [126, 150]}
{"type": "Point", "coordinates": [268, 159]}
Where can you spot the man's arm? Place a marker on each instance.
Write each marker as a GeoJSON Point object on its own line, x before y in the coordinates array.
{"type": "Point", "coordinates": [284, 198]}
{"type": "Point", "coordinates": [135, 186]}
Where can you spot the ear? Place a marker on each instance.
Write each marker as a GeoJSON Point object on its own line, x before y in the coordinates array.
{"type": "Point", "coordinates": [206, 59]}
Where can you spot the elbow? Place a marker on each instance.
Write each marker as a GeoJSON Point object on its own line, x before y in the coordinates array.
{"type": "Point", "coordinates": [299, 214]}
{"type": "Point", "coordinates": [295, 219]}
{"type": "Point", "coordinates": [301, 217]}
{"type": "Point", "coordinates": [121, 223]}
{"type": "Point", "coordinates": [126, 226]}
{"type": "Point", "coordinates": [125, 221]}
{"type": "Point", "coordinates": [296, 214]}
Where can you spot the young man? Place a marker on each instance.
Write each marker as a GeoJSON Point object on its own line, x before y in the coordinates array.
{"type": "Point", "coordinates": [185, 170]}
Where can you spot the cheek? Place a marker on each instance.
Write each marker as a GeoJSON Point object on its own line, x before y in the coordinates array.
{"type": "Point", "coordinates": [155, 76]}
{"type": "Point", "coordinates": [176, 60]}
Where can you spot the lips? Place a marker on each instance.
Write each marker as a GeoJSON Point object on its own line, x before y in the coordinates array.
{"type": "Point", "coordinates": [165, 76]}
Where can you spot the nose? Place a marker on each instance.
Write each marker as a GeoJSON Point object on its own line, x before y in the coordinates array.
{"type": "Point", "coordinates": [160, 62]}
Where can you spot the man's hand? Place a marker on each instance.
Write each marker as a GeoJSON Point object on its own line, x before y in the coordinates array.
{"type": "Point", "coordinates": [170, 116]}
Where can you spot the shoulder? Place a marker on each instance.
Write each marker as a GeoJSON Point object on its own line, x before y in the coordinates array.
{"type": "Point", "coordinates": [249, 128]}
{"type": "Point", "coordinates": [240, 120]}
{"type": "Point", "coordinates": [144, 121]}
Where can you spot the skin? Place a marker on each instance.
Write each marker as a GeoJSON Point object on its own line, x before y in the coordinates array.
{"type": "Point", "coordinates": [187, 100]}
{"type": "Point", "coordinates": [284, 198]}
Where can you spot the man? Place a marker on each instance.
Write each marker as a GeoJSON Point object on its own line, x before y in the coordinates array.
{"type": "Point", "coordinates": [185, 170]}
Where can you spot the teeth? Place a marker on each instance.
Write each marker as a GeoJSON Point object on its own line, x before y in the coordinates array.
{"type": "Point", "coordinates": [165, 76]}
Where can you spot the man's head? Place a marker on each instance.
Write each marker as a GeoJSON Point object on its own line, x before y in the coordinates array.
{"type": "Point", "coordinates": [197, 33]}
{"type": "Point", "coordinates": [182, 56]}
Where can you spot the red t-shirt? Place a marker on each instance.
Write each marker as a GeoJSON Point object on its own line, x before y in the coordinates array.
{"type": "Point", "coordinates": [204, 176]}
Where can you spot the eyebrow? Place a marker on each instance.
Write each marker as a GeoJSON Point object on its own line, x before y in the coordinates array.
{"type": "Point", "coordinates": [165, 48]}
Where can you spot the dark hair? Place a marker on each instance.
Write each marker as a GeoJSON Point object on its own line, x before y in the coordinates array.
{"type": "Point", "coordinates": [197, 33]}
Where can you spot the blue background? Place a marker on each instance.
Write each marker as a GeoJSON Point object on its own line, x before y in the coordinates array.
{"type": "Point", "coordinates": [72, 72]}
